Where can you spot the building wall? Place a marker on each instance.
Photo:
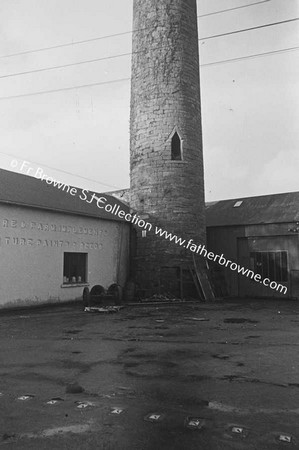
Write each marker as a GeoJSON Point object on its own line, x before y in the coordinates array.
{"type": "Point", "coordinates": [165, 98]}
{"type": "Point", "coordinates": [223, 240]}
{"type": "Point", "coordinates": [237, 242]}
{"type": "Point", "coordinates": [121, 194]}
{"type": "Point", "coordinates": [264, 245]}
{"type": "Point", "coordinates": [32, 245]}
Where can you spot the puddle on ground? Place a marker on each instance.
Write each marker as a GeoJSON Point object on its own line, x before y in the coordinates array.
{"type": "Point", "coordinates": [243, 379]}
{"type": "Point", "coordinates": [129, 350]}
{"type": "Point", "coordinates": [148, 371]}
{"type": "Point", "coordinates": [198, 377]}
{"type": "Point", "coordinates": [151, 368]}
{"type": "Point", "coordinates": [8, 437]}
{"type": "Point", "coordinates": [131, 364]}
{"type": "Point", "coordinates": [220, 356]}
{"type": "Point", "coordinates": [145, 316]}
{"type": "Point", "coordinates": [239, 320]}
{"type": "Point", "coordinates": [231, 378]}
{"type": "Point", "coordinates": [72, 331]}
{"type": "Point", "coordinates": [144, 355]}
{"type": "Point", "coordinates": [140, 327]}
{"type": "Point", "coordinates": [59, 431]}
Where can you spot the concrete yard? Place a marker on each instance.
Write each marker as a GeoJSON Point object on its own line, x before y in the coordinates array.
{"type": "Point", "coordinates": [229, 369]}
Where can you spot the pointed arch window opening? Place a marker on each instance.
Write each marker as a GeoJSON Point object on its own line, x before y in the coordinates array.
{"type": "Point", "coordinates": [176, 147]}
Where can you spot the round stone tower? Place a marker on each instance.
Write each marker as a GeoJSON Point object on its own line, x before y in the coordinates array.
{"type": "Point", "coordinates": [167, 183]}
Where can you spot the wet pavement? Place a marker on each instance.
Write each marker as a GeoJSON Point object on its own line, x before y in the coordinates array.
{"type": "Point", "coordinates": [214, 376]}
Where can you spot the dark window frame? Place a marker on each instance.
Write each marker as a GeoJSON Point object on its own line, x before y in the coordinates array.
{"type": "Point", "coordinates": [271, 264]}
{"type": "Point", "coordinates": [176, 147]}
{"type": "Point", "coordinates": [75, 267]}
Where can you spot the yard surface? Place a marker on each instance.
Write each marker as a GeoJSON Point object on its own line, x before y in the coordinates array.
{"type": "Point", "coordinates": [213, 376]}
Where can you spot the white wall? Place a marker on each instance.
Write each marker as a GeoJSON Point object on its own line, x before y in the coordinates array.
{"type": "Point", "coordinates": [32, 244]}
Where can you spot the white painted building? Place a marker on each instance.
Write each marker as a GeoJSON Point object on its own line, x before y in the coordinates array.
{"type": "Point", "coordinates": [53, 242]}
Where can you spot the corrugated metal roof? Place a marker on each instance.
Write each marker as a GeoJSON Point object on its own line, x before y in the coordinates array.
{"type": "Point", "coordinates": [275, 208]}
{"type": "Point", "coordinates": [23, 190]}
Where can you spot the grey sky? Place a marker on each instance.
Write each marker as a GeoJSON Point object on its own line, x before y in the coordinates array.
{"type": "Point", "coordinates": [250, 108]}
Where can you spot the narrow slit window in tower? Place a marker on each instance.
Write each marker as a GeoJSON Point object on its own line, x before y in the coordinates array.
{"type": "Point", "coordinates": [176, 147]}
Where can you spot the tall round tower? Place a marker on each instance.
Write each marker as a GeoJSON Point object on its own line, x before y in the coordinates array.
{"type": "Point", "coordinates": [167, 182]}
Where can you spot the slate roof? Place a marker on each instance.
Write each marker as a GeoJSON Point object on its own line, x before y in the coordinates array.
{"type": "Point", "coordinates": [275, 208]}
{"type": "Point", "coordinates": [19, 189]}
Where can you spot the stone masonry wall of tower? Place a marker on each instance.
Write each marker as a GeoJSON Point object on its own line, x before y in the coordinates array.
{"type": "Point", "coordinates": [165, 98]}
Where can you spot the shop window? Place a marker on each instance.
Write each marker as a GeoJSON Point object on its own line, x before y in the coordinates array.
{"type": "Point", "coordinates": [272, 265]}
{"type": "Point", "coordinates": [74, 268]}
{"type": "Point", "coordinates": [176, 147]}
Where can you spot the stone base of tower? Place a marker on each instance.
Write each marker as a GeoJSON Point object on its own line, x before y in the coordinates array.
{"type": "Point", "coordinates": [167, 272]}
{"type": "Point", "coordinates": [168, 281]}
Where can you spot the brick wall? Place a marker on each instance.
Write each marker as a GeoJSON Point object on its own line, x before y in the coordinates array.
{"type": "Point", "coordinates": [165, 97]}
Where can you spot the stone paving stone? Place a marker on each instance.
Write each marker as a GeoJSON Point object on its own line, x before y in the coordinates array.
{"type": "Point", "coordinates": [154, 417]}
{"type": "Point", "coordinates": [285, 438]}
{"type": "Point", "coordinates": [25, 397]}
{"type": "Point", "coordinates": [82, 405]}
{"type": "Point", "coordinates": [239, 431]}
{"type": "Point", "coordinates": [195, 423]}
{"type": "Point", "coordinates": [117, 411]}
{"type": "Point", "coordinates": [54, 401]}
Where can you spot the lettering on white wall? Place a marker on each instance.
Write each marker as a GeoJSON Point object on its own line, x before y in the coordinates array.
{"type": "Point", "coordinates": [38, 243]}
{"type": "Point", "coordinates": [51, 227]}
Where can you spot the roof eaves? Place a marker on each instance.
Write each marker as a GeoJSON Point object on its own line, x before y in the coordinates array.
{"type": "Point", "coordinates": [59, 210]}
